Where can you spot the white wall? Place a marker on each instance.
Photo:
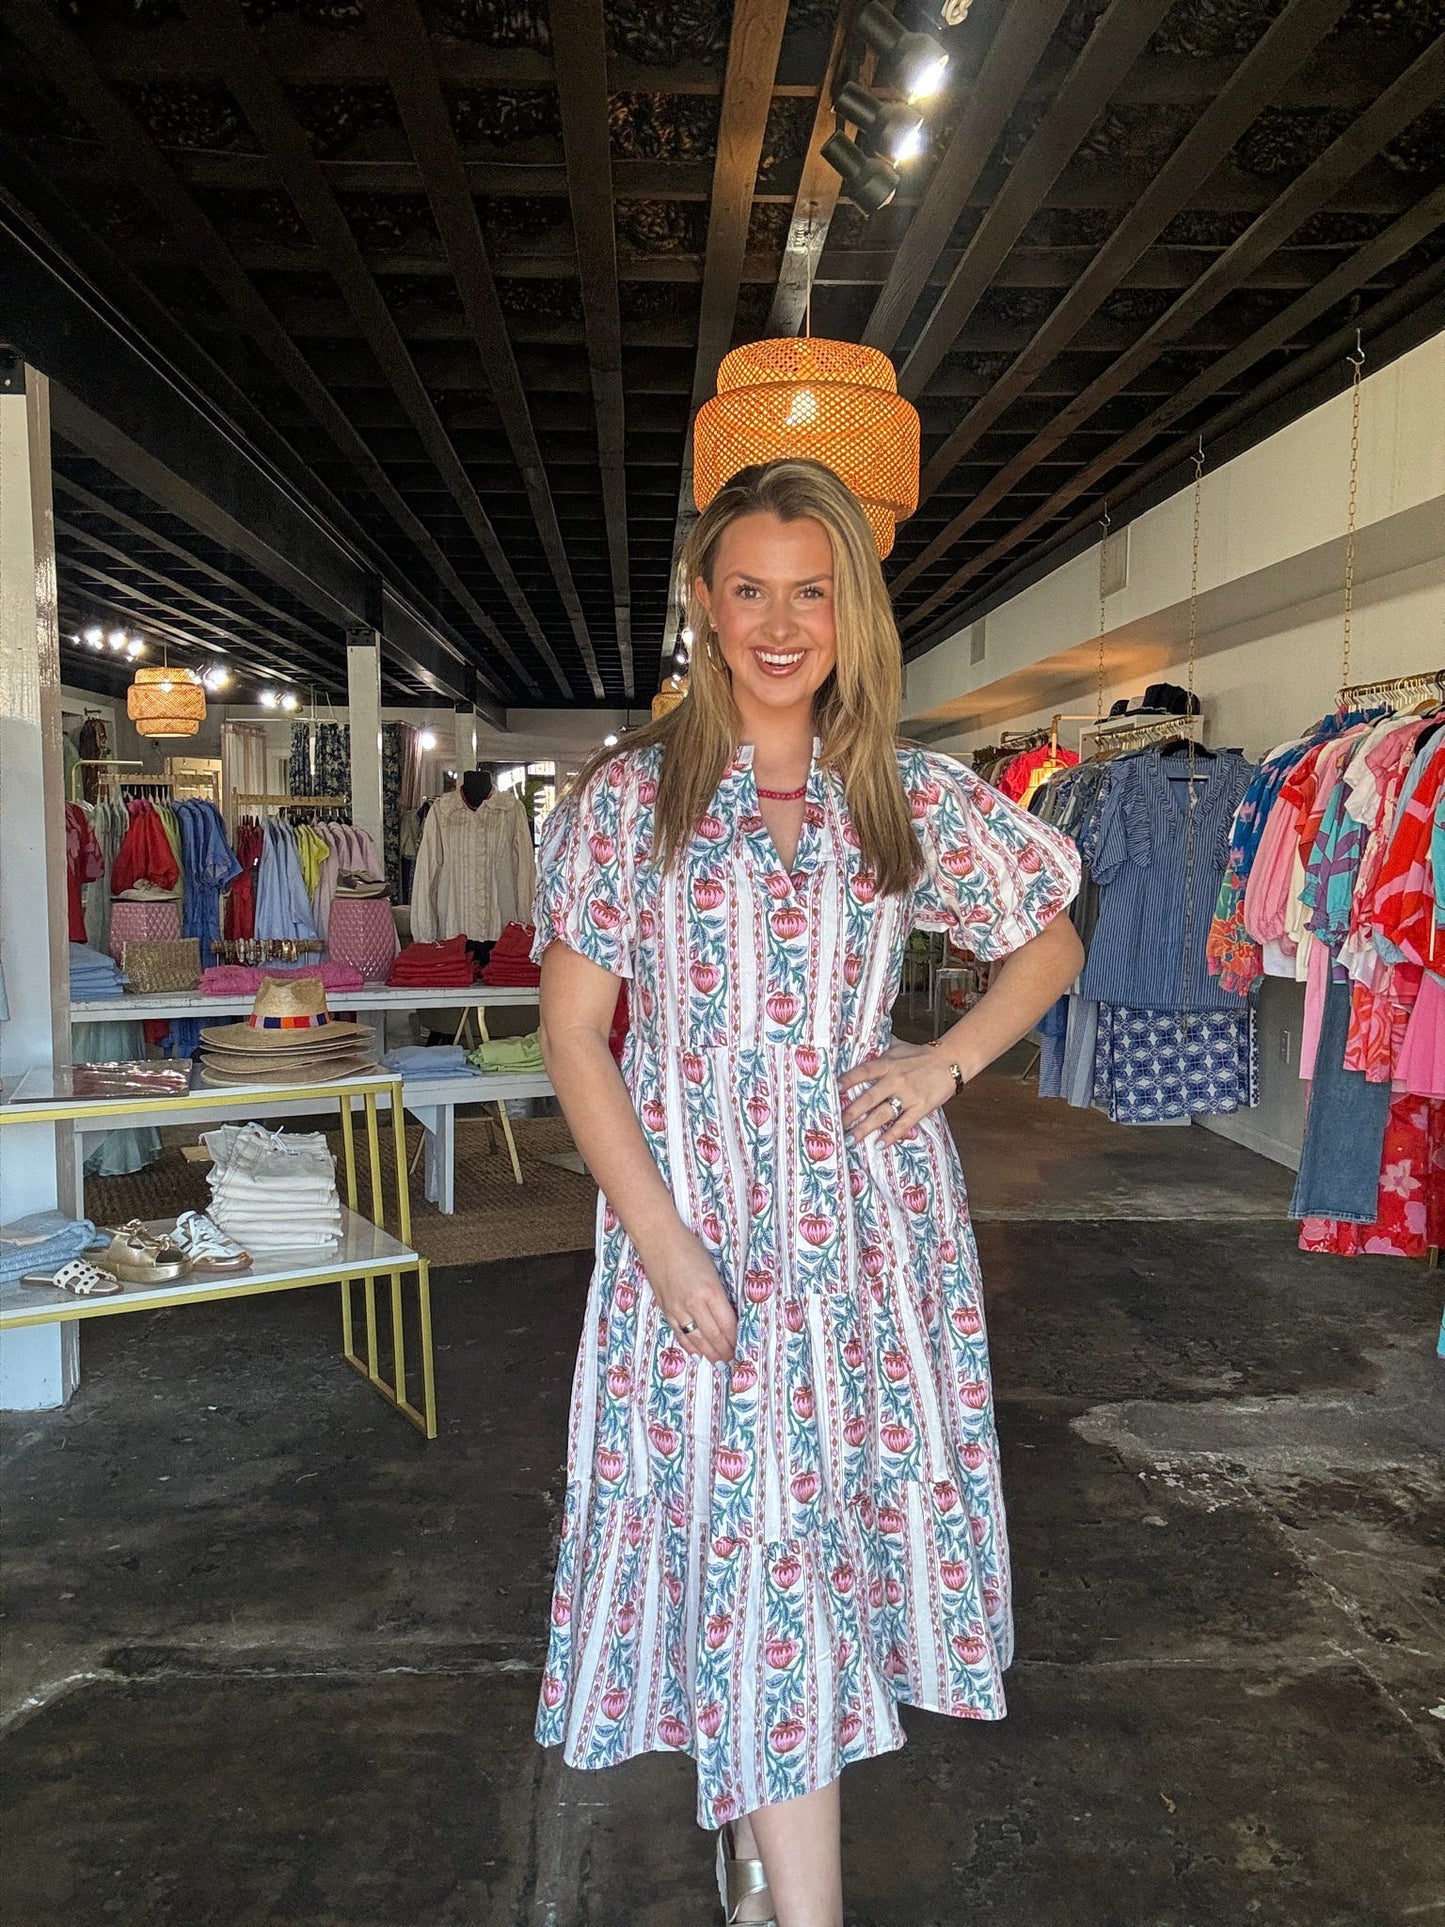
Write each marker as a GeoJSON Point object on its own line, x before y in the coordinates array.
{"type": "Point", "coordinates": [1270, 635]}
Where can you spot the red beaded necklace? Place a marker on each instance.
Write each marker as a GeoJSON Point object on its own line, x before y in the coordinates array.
{"type": "Point", "coordinates": [784, 796]}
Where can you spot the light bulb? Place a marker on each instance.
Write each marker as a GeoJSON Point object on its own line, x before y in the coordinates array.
{"type": "Point", "coordinates": [926, 80]}
{"type": "Point", "coordinates": [267, 699]}
{"type": "Point", "coordinates": [216, 678]}
{"type": "Point", "coordinates": [166, 684]}
{"type": "Point", "coordinates": [117, 638]}
{"type": "Point", "coordinates": [288, 701]}
{"type": "Point", "coordinates": [427, 739]}
{"type": "Point", "coordinates": [609, 741]}
{"type": "Point", "coordinates": [908, 146]}
{"type": "Point", "coordinates": [95, 635]}
{"type": "Point", "coordinates": [135, 647]}
{"type": "Point", "coordinates": [804, 411]}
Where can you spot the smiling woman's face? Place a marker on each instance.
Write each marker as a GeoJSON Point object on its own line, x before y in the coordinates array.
{"type": "Point", "coordinates": [772, 605]}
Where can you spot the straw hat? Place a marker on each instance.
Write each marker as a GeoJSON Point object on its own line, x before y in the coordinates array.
{"type": "Point", "coordinates": [288, 1020]}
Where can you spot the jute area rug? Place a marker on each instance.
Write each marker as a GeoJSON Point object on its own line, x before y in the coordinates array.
{"type": "Point", "coordinates": [551, 1210]}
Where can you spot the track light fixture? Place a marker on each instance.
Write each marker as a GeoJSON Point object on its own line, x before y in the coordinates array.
{"type": "Point", "coordinates": [870, 181]}
{"type": "Point", "coordinates": [889, 127]}
{"type": "Point", "coordinates": [915, 62]}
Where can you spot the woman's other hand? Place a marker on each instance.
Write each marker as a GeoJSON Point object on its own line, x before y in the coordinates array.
{"type": "Point", "coordinates": [917, 1075]}
{"type": "Point", "coordinates": [688, 1291]}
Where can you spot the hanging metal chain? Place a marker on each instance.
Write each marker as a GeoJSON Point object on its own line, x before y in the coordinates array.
{"type": "Point", "coordinates": [1103, 618]}
{"type": "Point", "coordinates": [1357, 363]}
{"type": "Point", "coordinates": [1187, 959]}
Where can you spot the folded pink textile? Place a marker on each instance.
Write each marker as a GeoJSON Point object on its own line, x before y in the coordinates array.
{"type": "Point", "coordinates": [238, 980]}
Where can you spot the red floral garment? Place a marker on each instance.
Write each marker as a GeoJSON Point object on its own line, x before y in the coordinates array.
{"type": "Point", "coordinates": [1412, 1190]}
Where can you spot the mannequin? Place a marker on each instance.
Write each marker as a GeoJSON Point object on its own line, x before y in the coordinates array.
{"type": "Point", "coordinates": [476, 786]}
{"type": "Point", "coordinates": [475, 870]}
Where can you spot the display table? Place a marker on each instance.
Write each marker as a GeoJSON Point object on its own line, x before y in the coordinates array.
{"type": "Point", "coordinates": [431, 1100]}
{"type": "Point", "coordinates": [368, 1251]}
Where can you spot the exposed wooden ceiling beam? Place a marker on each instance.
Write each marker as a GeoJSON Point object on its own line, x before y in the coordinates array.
{"type": "Point", "coordinates": [1118, 39]}
{"type": "Point", "coordinates": [153, 538]}
{"type": "Point", "coordinates": [407, 54]}
{"type": "Point", "coordinates": [819, 186]}
{"type": "Point", "coordinates": [1286, 45]}
{"type": "Point", "coordinates": [1014, 52]}
{"type": "Point", "coordinates": [579, 51]}
{"type": "Point", "coordinates": [234, 626]}
{"type": "Point", "coordinates": [63, 58]}
{"type": "Point", "coordinates": [1418, 292]}
{"type": "Point", "coordinates": [273, 121]}
{"type": "Point", "coordinates": [753, 47]}
{"type": "Point", "coordinates": [1401, 103]}
{"type": "Point", "coordinates": [1361, 267]}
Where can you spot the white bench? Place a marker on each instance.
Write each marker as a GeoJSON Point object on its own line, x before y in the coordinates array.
{"type": "Point", "coordinates": [433, 1101]}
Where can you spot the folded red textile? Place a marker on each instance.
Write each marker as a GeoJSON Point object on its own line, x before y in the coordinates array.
{"type": "Point", "coordinates": [511, 958]}
{"type": "Point", "coordinates": [447, 965]}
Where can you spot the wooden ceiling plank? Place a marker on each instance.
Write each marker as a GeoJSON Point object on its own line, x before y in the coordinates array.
{"type": "Point", "coordinates": [1368, 261]}
{"type": "Point", "coordinates": [407, 56]}
{"type": "Point", "coordinates": [1014, 52]}
{"type": "Point", "coordinates": [272, 119]}
{"type": "Point", "coordinates": [63, 57]}
{"type": "Point", "coordinates": [753, 47]}
{"type": "Point", "coordinates": [579, 54]}
{"type": "Point", "coordinates": [1307, 194]}
{"type": "Point", "coordinates": [1118, 39]}
{"type": "Point", "coordinates": [1279, 52]}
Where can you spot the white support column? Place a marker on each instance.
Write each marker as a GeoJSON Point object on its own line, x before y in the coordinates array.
{"type": "Point", "coordinates": [363, 697]}
{"type": "Point", "coordinates": [39, 1365]}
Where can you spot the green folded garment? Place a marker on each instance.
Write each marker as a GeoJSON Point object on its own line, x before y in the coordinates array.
{"type": "Point", "coordinates": [509, 1054]}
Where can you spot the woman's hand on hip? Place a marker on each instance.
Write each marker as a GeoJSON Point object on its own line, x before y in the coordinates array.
{"type": "Point", "coordinates": [918, 1077]}
{"type": "Point", "coordinates": [689, 1292]}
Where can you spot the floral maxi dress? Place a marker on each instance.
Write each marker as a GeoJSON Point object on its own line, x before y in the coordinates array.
{"type": "Point", "coordinates": [761, 1560]}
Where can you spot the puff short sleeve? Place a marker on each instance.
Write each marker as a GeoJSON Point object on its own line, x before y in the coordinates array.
{"type": "Point", "coordinates": [994, 876]}
{"type": "Point", "coordinates": [585, 895]}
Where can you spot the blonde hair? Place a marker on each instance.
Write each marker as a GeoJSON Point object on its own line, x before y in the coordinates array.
{"type": "Point", "coordinates": [855, 711]}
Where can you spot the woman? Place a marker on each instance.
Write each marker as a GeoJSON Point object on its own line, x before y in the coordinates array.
{"type": "Point", "coordinates": [783, 1514]}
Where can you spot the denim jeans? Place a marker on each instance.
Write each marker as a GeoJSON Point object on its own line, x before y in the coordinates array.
{"type": "Point", "coordinates": [1339, 1173]}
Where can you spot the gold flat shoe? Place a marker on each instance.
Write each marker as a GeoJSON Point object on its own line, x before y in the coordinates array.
{"type": "Point", "coordinates": [738, 1880]}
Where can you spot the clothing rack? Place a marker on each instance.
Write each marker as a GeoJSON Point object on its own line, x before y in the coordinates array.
{"type": "Point", "coordinates": [1032, 738]}
{"type": "Point", "coordinates": [1363, 695]}
{"type": "Point", "coordinates": [1119, 742]}
{"type": "Point", "coordinates": [278, 800]}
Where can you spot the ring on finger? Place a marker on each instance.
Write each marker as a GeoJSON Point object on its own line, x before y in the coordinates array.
{"type": "Point", "coordinates": [686, 1331]}
{"type": "Point", "coordinates": [896, 1104]}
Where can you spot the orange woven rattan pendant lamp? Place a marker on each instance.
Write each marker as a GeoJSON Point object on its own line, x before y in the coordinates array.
{"type": "Point", "coordinates": [801, 397]}
{"type": "Point", "coordinates": [166, 702]}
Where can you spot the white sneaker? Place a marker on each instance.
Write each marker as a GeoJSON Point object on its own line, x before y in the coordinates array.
{"type": "Point", "coordinates": [206, 1246]}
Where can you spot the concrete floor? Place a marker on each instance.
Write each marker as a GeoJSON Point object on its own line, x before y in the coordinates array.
{"type": "Point", "coordinates": [272, 1659]}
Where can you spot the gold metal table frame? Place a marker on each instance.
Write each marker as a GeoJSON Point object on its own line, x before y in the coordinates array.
{"type": "Point", "coordinates": [370, 1252]}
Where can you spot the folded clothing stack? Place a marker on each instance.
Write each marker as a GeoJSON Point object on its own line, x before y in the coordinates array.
{"type": "Point", "coordinates": [43, 1241]}
{"type": "Point", "coordinates": [94, 975]}
{"type": "Point", "coordinates": [274, 1190]}
{"type": "Point", "coordinates": [244, 980]}
{"type": "Point", "coordinates": [435, 966]}
{"type": "Point", "coordinates": [511, 958]}
{"type": "Point", "coordinates": [509, 1054]}
{"type": "Point", "coordinates": [418, 1062]}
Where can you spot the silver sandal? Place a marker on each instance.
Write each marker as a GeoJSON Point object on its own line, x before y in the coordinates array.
{"type": "Point", "coordinates": [738, 1880]}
